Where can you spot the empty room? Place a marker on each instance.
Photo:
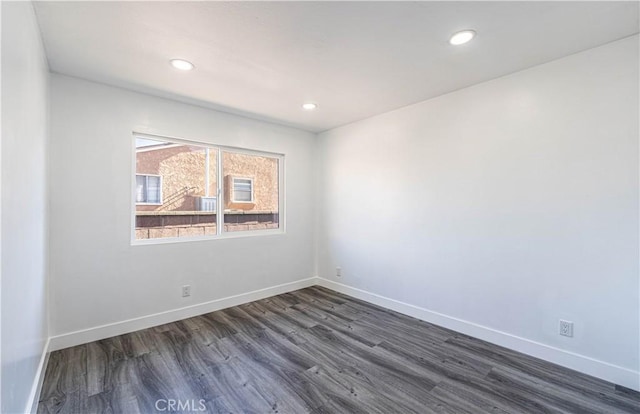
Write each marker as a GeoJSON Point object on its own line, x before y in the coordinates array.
{"type": "Point", "coordinates": [320, 207]}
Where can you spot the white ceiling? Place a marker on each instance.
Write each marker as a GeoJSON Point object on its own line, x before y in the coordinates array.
{"type": "Point", "coordinates": [355, 59]}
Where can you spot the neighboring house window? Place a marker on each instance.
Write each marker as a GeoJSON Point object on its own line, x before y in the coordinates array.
{"type": "Point", "coordinates": [242, 190]}
{"type": "Point", "coordinates": [196, 190]}
{"type": "Point", "coordinates": [148, 189]}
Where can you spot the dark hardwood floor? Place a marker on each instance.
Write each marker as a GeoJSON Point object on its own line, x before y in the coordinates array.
{"type": "Point", "coordinates": [314, 351]}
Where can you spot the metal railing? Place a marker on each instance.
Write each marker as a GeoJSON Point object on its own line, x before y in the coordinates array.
{"type": "Point", "coordinates": [175, 197]}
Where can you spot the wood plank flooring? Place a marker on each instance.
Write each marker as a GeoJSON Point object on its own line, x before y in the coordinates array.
{"type": "Point", "coordinates": [314, 351]}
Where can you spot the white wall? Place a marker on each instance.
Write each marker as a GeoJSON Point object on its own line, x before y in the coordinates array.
{"type": "Point", "coordinates": [25, 78]}
{"type": "Point", "coordinates": [510, 204]}
{"type": "Point", "coordinates": [97, 276]}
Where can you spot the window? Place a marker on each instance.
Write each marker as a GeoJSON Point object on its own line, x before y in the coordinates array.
{"type": "Point", "coordinates": [242, 190]}
{"type": "Point", "coordinates": [186, 190]}
{"type": "Point", "coordinates": [148, 189]}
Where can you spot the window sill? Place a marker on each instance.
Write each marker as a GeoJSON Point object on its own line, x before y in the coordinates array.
{"type": "Point", "coordinates": [223, 236]}
{"type": "Point", "coordinates": [199, 212]}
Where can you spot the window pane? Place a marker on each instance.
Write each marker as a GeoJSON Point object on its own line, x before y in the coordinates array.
{"type": "Point", "coordinates": [242, 183]}
{"type": "Point", "coordinates": [242, 196]}
{"type": "Point", "coordinates": [141, 189]}
{"type": "Point", "coordinates": [242, 190]}
{"type": "Point", "coordinates": [178, 196]}
{"type": "Point", "coordinates": [250, 192]}
{"type": "Point", "coordinates": [153, 189]}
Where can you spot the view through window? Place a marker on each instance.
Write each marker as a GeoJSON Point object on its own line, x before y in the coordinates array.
{"type": "Point", "coordinates": [181, 189]}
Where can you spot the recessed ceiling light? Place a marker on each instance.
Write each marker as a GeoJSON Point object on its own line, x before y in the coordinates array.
{"type": "Point", "coordinates": [182, 64]}
{"type": "Point", "coordinates": [309, 106]}
{"type": "Point", "coordinates": [462, 37]}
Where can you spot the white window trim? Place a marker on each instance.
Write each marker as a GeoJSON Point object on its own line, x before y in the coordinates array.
{"type": "Point", "coordinates": [233, 191]}
{"type": "Point", "coordinates": [148, 149]}
{"type": "Point", "coordinates": [161, 198]}
{"type": "Point", "coordinates": [221, 234]}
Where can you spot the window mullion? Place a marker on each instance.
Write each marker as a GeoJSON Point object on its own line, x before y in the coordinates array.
{"type": "Point", "coordinates": [220, 194]}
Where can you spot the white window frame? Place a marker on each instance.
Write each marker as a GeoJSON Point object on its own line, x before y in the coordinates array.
{"type": "Point", "coordinates": [221, 234]}
{"type": "Point", "coordinates": [145, 203]}
{"type": "Point", "coordinates": [233, 190]}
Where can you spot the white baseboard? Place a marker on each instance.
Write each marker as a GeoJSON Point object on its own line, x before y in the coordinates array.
{"type": "Point", "coordinates": [119, 328]}
{"type": "Point", "coordinates": [36, 388]}
{"type": "Point", "coordinates": [600, 369]}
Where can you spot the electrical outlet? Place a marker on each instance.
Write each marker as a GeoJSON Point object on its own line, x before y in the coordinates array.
{"type": "Point", "coordinates": [566, 328]}
{"type": "Point", "coordinates": [338, 271]}
{"type": "Point", "coordinates": [186, 291]}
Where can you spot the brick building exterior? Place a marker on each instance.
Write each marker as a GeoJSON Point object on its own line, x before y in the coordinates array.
{"type": "Point", "coordinates": [182, 168]}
